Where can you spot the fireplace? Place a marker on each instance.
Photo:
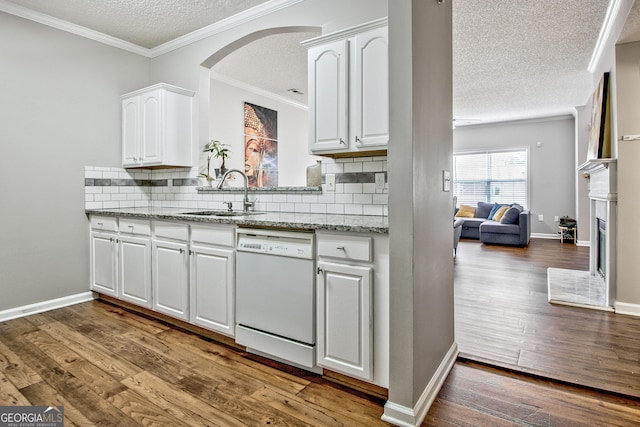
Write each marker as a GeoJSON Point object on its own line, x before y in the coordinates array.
{"type": "Point", "coordinates": [601, 255]}
{"type": "Point", "coordinates": [603, 196]}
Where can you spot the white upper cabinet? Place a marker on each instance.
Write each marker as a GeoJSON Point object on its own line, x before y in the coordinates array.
{"type": "Point", "coordinates": [328, 97]}
{"type": "Point", "coordinates": [349, 90]}
{"type": "Point", "coordinates": [156, 127]}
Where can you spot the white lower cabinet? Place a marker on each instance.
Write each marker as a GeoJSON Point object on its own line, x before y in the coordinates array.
{"type": "Point", "coordinates": [170, 274]}
{"type": "Point", "coordinates": [212, 288]}
{"type": "Point", "coordinates": [345, 327]}
{"type": "Point", "coordinates": [212, 284]}
{"type": "Point", "coordinates": [182, 270]}
{"type": "Point", "coordinates": [134, 262]}
{"type": "Point", "coordinates": [353, 304]}
{"type": "Point", "coordinates": [104, 256]}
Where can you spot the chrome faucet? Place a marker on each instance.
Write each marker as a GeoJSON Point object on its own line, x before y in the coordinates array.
{"type": "Point", "coordinates": [246, 204]}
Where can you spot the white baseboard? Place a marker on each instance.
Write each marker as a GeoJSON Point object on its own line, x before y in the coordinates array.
{"type": "Point", "coordinates": [585, 243]}
{"type": "Point", "coordinates": [626, 308]}
{"type": "Point", "coordinates": [545, 236]}
{"type": "Point", "coordinates": [411, 417]}
{"type": "Point", "coordinates": [39, 307]}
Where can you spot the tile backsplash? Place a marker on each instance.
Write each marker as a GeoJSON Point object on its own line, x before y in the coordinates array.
{"type": "Point", "coordinates": [356, 192]}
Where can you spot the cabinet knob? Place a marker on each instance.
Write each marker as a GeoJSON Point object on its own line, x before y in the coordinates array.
{"type": "Point", "coordinates": [341, 248]}
{"type": "Point", "coordinates": [319, 271]}
{"type": "Point", "coordinates": [358, 140]}
{"type": "Point", "coordinates": [342, 141]}
{"type": "Point", "coordinates": [181, 250]}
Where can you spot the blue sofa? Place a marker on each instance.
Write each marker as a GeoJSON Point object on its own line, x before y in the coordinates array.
{"type": "Point", "coordinates": [494, 232]}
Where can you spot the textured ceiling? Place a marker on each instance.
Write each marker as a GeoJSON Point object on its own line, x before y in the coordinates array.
{"type": "Point", "coordinates": [523, 58]}
{"type": "Point", "coordinates": [512, 58]}
{"type": "Point", "coordinates": [146, 23]}
{"type": "Point", "coordinates": [254, 64]}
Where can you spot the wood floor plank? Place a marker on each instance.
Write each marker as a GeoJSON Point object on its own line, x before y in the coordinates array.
{"type": "Point", "coordinates": [91, 376]}
{"type": "Point", "coordinates": [10, 395]}
{"type": "Point", "coordinates": [232, 360]}
{"type": "Point", "coordinates": [15, 370]}
{"type": "Point", "coordinates": [175, 396]}
{"type": "Point", "coordinates": [75, 391]}
{"type": "Point", "coordinates": [296, 407]}
{"type": "Point", "coordinates": [42, 394]}
{"type": "Point", "coordinates": [155, 390]}
{"type": "Point", "coordinates": [92, 351]}
{"type": "Point", "coordinates": [142, 410]}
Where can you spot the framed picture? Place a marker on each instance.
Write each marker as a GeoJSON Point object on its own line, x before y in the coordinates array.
{"type": "Point", "coordinates": [600, 134]}
{"type": "Point", "coordinates": [260, 145]}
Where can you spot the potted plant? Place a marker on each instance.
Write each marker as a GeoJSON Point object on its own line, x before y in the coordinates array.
{"type": "Point", "coordinates": [217, 150]}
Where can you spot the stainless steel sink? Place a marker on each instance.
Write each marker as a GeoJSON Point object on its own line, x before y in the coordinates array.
{"type": "Point", "coordinates": [221, 213]}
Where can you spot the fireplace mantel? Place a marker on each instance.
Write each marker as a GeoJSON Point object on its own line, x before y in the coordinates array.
{"type": "Point", "coordinates": [596, 164]}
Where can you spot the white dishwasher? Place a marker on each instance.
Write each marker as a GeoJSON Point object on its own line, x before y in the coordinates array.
{"type": "Point", "coordinates": [275, 294]}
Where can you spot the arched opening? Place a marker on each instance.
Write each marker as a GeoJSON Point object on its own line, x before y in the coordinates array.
{"type": "Point", "coordinates": [266, 70]}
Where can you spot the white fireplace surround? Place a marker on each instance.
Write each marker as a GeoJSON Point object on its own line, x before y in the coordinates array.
{"type": "Point", "coordinates": [603, 197]}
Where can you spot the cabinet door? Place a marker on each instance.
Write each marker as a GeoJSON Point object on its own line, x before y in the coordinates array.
{"type": "Point", "coordinates": [328, 97]}
{"type": "Point", "coordinates": [212, 288]}
{"type": "Point", "coordinates": [103, 263]}
{"type": "Point", "coordinates": [130, 131]}
{"type": "Point", "coordinates": [135, 270]}
{"type": "Point", "coordinates": [344, 319]}
{"type": "Point", "coordinates": [152, 127]}
{"type": "Point", "coordinates": [370, 119]}
{"type": "Point", "coordinates": [171, 278]}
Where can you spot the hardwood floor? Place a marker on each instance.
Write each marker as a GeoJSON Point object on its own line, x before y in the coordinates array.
{"type": "Point", "coordinates": [110, 367]}
{"type": "Point", "coordinates": [503, 317]}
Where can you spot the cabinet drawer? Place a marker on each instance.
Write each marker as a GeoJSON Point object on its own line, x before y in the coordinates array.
{"type": "Point", "coordinates": [135, 226]}
{"type": "Point", "coordinates": [356, 248]}
{"type": "Point", "coordinates": [213, 235]}
{"type": "Point", "coordinates": [104, 223]}
{"type": "Point", "coordinates": [172, 230]}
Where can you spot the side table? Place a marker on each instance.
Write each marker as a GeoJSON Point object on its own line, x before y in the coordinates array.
{"type": "Point", "coordinates": [567, 233]}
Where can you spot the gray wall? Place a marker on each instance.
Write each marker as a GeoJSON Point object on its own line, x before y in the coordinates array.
{"type": "Point", "coordinates": [420, 234]}
{"type": "Point", "coordinates": [628, 105]}
{"type": "Point", "coordinates": [60, 111]}
{"type": "Point", "coordinates": [551, 166]}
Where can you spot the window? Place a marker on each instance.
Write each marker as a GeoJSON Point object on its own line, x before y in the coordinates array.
{"type": "Point", "coordinates": [492, 177]}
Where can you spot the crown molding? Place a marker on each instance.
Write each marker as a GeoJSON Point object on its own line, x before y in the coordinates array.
{"type": "Point", "coordinates": [215, 28]}
{"type": "Point", "coordinates": [78, 30]}
{"type": "Point", "coordinates": [614, 20]}
{"type": "Point", "coordinates": [223, 25]}
{"type": "Point", "coordinates": [258, 91]}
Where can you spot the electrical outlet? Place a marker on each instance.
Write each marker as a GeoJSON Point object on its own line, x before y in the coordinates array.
{"type": "Point", "coordinates": [540, 217]}
{"type": "Point", "coordinates": [330, 181]}
{"type": "Point", "coordinates": [556, 218]}
{"type": "Point", "coordinates": [380, 181]}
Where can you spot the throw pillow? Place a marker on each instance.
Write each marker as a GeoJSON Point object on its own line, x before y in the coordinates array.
{"type": "Point", "coordinates": [499, 213]}
{"type": "Point", "coordinates": [466, 211]}
{"type": "Point", "coordinates": [511, 216]}
{"type": "Point", "coordinates": [494, 209]}
{"type": "Point", "coordinates": [483, 210]}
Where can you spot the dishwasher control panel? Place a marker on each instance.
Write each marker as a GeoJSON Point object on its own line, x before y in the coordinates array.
{"type": "Point", "coordinates": [279, 243]}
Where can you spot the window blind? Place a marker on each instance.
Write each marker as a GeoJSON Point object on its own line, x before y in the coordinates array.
{"type": "Point", "coordinates": [492, 177]}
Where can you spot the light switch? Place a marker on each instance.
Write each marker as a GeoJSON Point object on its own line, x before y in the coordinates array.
{"type": "Point", "coordinates": [446, 180]}
{"type": "Point", "coordinates": [330, 181]}
{"type": "Point", "coordinates": [541, 217]}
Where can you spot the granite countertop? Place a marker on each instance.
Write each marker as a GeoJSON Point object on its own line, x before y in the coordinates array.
{"type": "Point", "coordinates": [287, 220]}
